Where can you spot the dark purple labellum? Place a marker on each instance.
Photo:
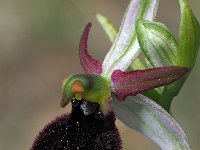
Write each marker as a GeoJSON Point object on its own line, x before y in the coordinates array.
{"type": "Point", "coordinates": [77, 131]}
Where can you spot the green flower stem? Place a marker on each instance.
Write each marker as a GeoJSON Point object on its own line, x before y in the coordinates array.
{"type": "Point", "coordinates": [153, 94]}
{"type": "Point", "coordinates": [166, 99]}
{"type": "Point", "coordinates": [170, 92]}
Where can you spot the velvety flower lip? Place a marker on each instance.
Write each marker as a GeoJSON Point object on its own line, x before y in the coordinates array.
{"type": "Point", "coordinates": [80, 131]}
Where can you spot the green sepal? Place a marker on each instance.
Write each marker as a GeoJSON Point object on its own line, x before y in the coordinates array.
{"type": "Point", "coordinates": [189, 36]}
{"type": "Point", "coordinates": [157, 43]}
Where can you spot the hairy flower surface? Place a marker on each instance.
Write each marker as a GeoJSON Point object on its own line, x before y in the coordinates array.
{"type": "Point", "coordinates": [77, 131]}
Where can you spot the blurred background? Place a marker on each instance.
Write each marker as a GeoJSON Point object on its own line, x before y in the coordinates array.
{"type": "Point", "coordinates": [39, 47]}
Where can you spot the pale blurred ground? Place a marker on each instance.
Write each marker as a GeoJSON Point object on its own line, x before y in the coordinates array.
{"type": "Point", "coordinates": [39, 48]}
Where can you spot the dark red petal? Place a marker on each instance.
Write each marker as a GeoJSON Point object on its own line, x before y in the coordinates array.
{"type": "Point", "coordinates": [90, 65]}
{"type": "Point", "coordinates": [134, 82]}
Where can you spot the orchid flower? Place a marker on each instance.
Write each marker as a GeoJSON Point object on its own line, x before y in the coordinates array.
{"type": "Point", "coordinates": [108, 88]}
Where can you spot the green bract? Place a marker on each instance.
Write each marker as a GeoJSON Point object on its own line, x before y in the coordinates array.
{"type": "Point", "coordinates": [189, 37]}
{"type": "Point", "coordinates": [157, 43]}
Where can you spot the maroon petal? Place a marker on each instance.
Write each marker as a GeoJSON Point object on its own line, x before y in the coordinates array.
{"type": "Point", "coordinates": [90, 65]}
{"type": "Point", "coordinates": [134, 82]}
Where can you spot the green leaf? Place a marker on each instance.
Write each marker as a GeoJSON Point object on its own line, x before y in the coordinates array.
{"type": "Point", "coordinates": [107, 26]}
{"type": "Point", "coordinates": [189, 36]}
{"type": "Point", "coordinates": [157, 43]}
{"type": "Point", "coordinates": [147, 117]}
